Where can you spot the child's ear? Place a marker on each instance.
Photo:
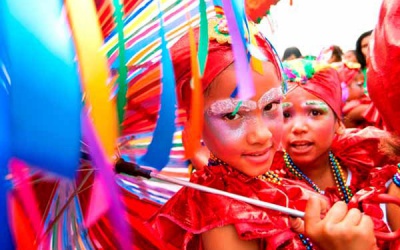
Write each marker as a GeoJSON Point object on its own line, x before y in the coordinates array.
{"type": "Point", "coordinates": [339, 128]}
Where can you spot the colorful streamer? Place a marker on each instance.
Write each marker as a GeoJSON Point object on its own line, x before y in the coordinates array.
{"type": "Point", "coordinates": [5, 153]}
{"type": "Point", "coordinates": [203, 40]}
{"type": "Point", "coordinates": [23, 188]}
{"type": "Point", "coordinates": [45, 93]}
{"type": "Point", "coordinates": [94, 72]}
{"type": "Point", "coordinates": [105, 192]}
{"type": "Point", "coordinates": [121, 97]}
{"type": "Point", "coordinates": [235, 17]}
{"type": "Point", "coordinates": [195, 126]}
{"type": "Point", "coordinates": [158, 152]}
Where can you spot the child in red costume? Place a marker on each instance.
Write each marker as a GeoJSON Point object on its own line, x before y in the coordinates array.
{"type": "Point", "coordinates": [355, 101]}
{"type": "Point", "coordinates": [318, 149]}
{"type": "Point", "coordinates": [243, 136]}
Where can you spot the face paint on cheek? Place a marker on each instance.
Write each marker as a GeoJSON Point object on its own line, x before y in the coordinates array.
{"type": "Point", "coordinates": [219, 133]}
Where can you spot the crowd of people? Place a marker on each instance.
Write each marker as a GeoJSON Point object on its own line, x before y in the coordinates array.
{"type": "Point", "coordinates": [357, 109]}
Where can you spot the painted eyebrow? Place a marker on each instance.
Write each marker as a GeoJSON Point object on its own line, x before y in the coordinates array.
{"type": "Point", "coordinates": [273, 94]}
{"type": "Point", "coordinates": [229, 106]}
{"type": "Point", "coordinates": [234, 105]}
{"type": "Point", "coordinates": [287, 105]}
{"type": "Point", "coordinates": [319, 104]}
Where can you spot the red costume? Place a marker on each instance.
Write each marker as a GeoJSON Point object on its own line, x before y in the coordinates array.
{"type": "Point", "coordinates": [191, 212]}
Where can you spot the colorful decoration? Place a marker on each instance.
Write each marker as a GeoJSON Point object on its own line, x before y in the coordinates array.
{"type": "Point", "coordinates": [121, 97]}
{"type": "Point", "coordinates": [5, 154]}
{"type": "Point", "coordinates": [257, 9]}
{"type": "Point", "coordinates": [88, 100]}
{"type": "Point", "coordinates": [235, 17]}
{"type": "Point", "coordinates": [160, 147]}
{"type": "Point", "coordinates": [46, 97]}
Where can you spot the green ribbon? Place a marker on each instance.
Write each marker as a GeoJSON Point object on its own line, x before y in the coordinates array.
{"type": "Point", "coordinates": [122, 70]}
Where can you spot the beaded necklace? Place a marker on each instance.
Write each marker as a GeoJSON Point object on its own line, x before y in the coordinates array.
{"type": "Point", "coordinates": [269, 176]}
{"type": "Point", "coordinates": [344, 191]}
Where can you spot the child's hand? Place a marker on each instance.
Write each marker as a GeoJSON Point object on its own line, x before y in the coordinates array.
{"type": "Point", "coordinates": [339, 229]}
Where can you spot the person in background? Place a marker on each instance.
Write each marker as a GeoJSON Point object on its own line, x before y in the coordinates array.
{"type": "Point", "coordinates": [350, 56]}
{"type": "Point", "coordinates": [362, 52]}
{"type": "Point", "coordinates": [355, 101]}
{"type": "Point", "coordinates": [332, 55]}
{"type": "Point", "coordinates": [291, 53]}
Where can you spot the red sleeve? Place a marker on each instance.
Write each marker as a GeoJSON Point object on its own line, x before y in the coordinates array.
{"type": "Point", "coordinates": [358, 149]}
{"type": "Point", "coordinates": [190, 212]}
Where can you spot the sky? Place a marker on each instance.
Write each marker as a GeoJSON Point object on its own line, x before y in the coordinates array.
{"type": "Point", "coordinates": [312, 25]}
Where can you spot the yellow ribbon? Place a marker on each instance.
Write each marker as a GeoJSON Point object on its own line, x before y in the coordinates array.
{"type": "Point", "coordinates": [94, 71]}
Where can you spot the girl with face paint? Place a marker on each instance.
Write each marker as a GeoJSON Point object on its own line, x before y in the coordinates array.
{"type": "Point", "coordinates": [243, 137]}
{"type": "Point", "coordinates": [318, 149]}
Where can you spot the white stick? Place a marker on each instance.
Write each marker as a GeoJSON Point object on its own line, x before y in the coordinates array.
{"type": "Point", "coordinates": [286, 210]}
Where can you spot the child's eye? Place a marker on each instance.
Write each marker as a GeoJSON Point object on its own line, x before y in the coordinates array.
{"type": "Point", "coordinates": [286, 114]}
{"type": "Point", "coordinates": [271, 106]}
{"type": "Point", "coordinates": [231, 116]}
{"type": "Point", "coordinates": [316, 112]}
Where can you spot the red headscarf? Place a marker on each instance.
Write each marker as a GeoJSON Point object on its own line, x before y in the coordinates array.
{"type": "Point", "coordinates": [384, 67]}
{"type": "Point", "coordinates": [220, 56]}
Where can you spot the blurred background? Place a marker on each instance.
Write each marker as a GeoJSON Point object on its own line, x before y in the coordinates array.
{"type": "Point", "coordinates": [312, 25]}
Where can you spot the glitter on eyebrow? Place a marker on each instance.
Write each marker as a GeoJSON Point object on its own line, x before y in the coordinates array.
{"type": "Point", "coordinates": [229, 105]}
{"type": "Point", "coordinates": [273, 94]}
{"type": "Point", "coordinates": [287, 105]}
{"type": "Point", "coordinates": [237, 108]}
{"type": "Point", "coordinates": [319, 104]}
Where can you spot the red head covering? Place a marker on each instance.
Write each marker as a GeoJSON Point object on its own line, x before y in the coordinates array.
{"type": "Point", "coordinates": [347, 72]}
{"type": "Point", "coordinates": [318, 79]}
{"type": "Point", "coordinates": [220, 56]}
{"type": "Point", "coordinates": [384, 67]}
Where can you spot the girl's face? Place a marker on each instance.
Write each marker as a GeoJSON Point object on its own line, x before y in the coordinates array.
{"type": "Point", "coordinates": [309, 127]}
{"type": "Point", "coordinates": [356, 87]}
{"type": "Point", "coordinates": [365, 46]}
{"type": "Point", "coordinates": [349, 56]}
{"type": "Point", "coordinates": [247, 139]}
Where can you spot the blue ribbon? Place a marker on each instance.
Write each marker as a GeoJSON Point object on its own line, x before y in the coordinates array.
{"type": "Point", "coordinates": [45, 91]}
{"type": "Point", "coordinates": [157, 154]}
{"type": "Point", "coordinates": [5, 153]}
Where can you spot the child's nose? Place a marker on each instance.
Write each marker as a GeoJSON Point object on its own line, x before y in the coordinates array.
{"type": "Point", "coordinates": [299, 125]}
{"type": "Point", "coordinates": [259, 132]}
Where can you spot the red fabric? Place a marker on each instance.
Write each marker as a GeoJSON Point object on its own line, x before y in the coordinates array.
{"type": "Point", "coordinates": [190, 212]}
{"type": "Point", "coordinates": [256, 10]}
{"type": "Point", "coordinates": [373, 117]}
{"type": "Point", "coordinates": [358, 149]}
{"type": "Point", "coordinates": [325, 85]}
{"type": "Point", "coordinates": [137, 213]}
{"type": "Point", "coordinates": [219, 57]}
{"type": "Point", "coordinates": [350, 105]}
{"type": "Point", "coordinates": [384, 67]}
{"type": "Point", "coordinates": [347, 74]}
